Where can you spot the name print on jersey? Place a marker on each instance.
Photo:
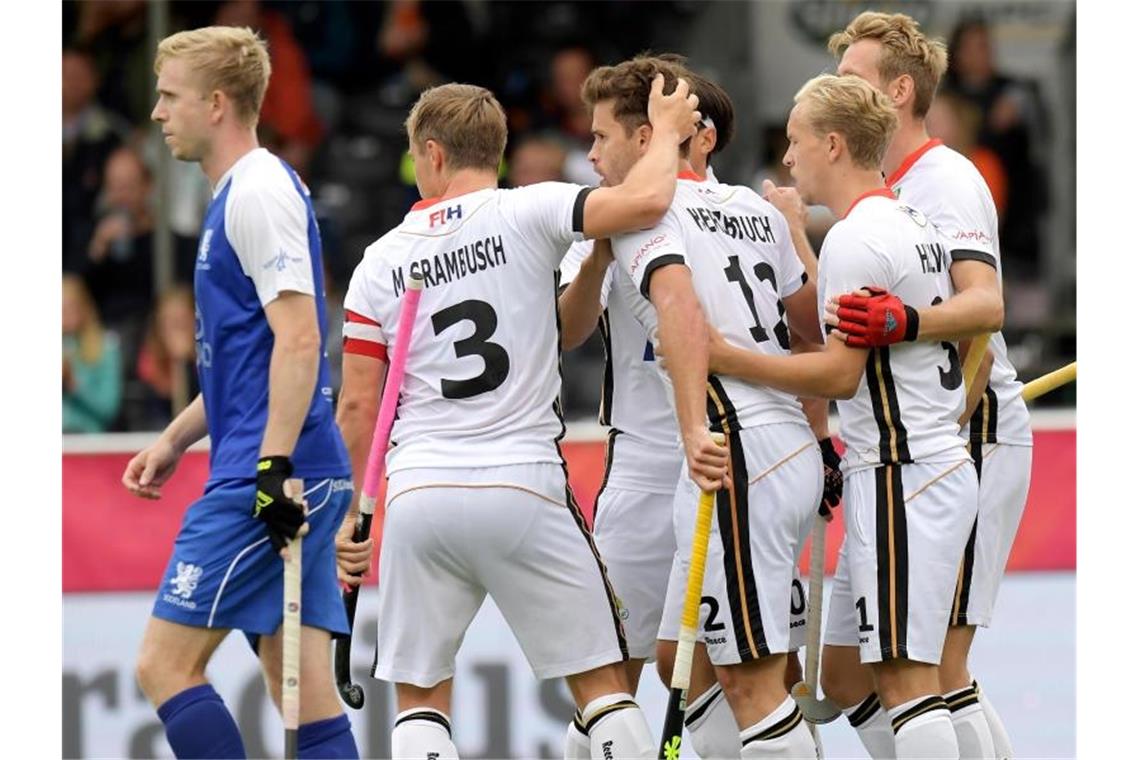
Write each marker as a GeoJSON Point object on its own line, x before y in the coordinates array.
{"type": "Point", "coordinates": [932, 256]}
{"type": "Point", "coordinates": [452, 265]}
{"type": "Point", "coordinates": [756, 228]}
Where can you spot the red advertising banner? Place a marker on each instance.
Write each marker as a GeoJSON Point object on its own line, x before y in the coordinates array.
{"type": "Point", "coordinates": [113, 541]}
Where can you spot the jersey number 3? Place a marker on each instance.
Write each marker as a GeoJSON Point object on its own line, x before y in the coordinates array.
{"type": "Point", "coordinates": [496, 363]}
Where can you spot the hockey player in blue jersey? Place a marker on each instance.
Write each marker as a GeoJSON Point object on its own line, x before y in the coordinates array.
{"type": "Point", "coordinates": [266, 404]}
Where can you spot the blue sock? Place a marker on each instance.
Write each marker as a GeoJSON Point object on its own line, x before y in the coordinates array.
{"type": "Point", "coordinates": [199, 725]}
{"type": "Point", "coordinates": [329, 738]}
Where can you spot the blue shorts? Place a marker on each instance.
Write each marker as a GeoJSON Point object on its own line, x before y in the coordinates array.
{"type": "Point", "coordinates": [224, 573]}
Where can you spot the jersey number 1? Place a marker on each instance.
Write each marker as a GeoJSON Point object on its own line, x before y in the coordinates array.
{"type": "Point", "coordinates": [495, 360]}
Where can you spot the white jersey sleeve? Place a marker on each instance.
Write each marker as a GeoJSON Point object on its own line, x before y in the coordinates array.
{"type": "Point", "coordinates": [552, 212]}
{"type": "Point", "coordinates": [572, 264]}
{"type": "Point", "coordinates": [640, 254]}
{"type": "Point", "coordinates": [268, 225]}
{"type": "Point", "coordinates": [967, 220]}
{"type": "Point", "coordinates": [364, 317]}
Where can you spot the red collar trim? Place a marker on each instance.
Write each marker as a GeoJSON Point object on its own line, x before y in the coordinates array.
{"type": "Point", "coordinates": [882, 191]}
{"type": "Point", "coordinates": [688, 174]}
{"type": "Point", "coordinates": [425, 203]}
{"type": "Point", "coordinates": [910, 160]}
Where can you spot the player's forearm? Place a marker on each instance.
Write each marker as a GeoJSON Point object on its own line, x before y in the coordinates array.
{"type": "Point", "coordinates": [817, 375]}
{"type": "Point", "coordinates": [968, 313]}
{"type": "Point", "coordinates": [356, 418]}
{"type": "Point", "coordinates": [579, 305]}
{"type": "Point", "coordinates": [643, 198]}
{"type": "Point", "coordinates": [815, 409]}
{"type": "Point", "coordinates": [805, 252]}
{"type": "Point", "coordinates": [188, 427]}
{"type": "Point", "coordinates": [293, 368]}
{"type": "Point", "coordinates": [682, 333]}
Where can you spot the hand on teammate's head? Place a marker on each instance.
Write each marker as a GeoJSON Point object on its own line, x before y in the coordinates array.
{"type": "Point", "coordinates": [676, 111]}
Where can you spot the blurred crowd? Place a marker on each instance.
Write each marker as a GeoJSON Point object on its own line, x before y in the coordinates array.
{"type": "Point", "coordinates": [344, 75]}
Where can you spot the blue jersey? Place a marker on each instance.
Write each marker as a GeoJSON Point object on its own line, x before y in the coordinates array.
{"type": "Point", "coordinates": [259, 238]}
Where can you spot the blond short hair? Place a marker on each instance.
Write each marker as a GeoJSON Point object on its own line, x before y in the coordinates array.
{"type": "Point", "coordinates": [906, 50]}
{"type": "Point", "coordinates": [850, 107]}
{"type": "Point", "coordinates": [232, 59]}
{"type": "Point", "coordinates": [466, 120]}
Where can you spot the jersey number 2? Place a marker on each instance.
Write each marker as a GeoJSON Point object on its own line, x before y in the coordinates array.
{"type": "Point", "coordinates": [495, 360]}
{"type": "Point", "coordinates": [764, 273]}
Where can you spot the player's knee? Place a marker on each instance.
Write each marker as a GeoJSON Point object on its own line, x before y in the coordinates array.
{"type": "Point", "coordinates": [158, 675]}
{"type": "Point", "coordinates": [843, 678]}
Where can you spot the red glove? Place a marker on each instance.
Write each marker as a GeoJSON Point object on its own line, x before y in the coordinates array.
{"type": "Point", "coordinates": [879, 319]}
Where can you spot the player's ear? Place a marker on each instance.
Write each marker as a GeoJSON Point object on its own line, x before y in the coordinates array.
{"type": "Point", "coordinates": [901, 89]}
{"type": "Point", "coordinates": [217, 100]}
{"type": "Point", "coordinates": [644, 134]}
{"type": "Point", "coordinates": [834, 146]}
{"type": "Point", "coordinates": [435, 154]}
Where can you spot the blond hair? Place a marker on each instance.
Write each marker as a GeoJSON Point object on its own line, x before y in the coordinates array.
{"type": "Point", "coordinates": [90, 334]}
{"type": "Point", "coordinates": [466, 120]}
{"type": "Point", "coordinates": [852, 108]}
{"type": "Point", "coordinates": [232, 59]}
{"type": "Point", "coordinates": [906, 50]}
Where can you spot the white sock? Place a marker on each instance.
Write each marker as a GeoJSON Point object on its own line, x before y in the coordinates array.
{"type": "Point", "coordinates": [712, 726]}
{"type": "Point", "coordinates": [618, 729]}
{"type": "Point", "coordinates": [577, 740]}
{"type": "Point", "coordinates": [420, 733]}
{"type": "Point", "coordinates": [781, 733]}
{"type": "Point", "coordinates": [923, 730]}
{"type": "Point", "coordinates": [969, 720]}
{"type": "Point", "coordinates": [873, 726]}
{"type": "Point", "coordinates": [1003, 748]}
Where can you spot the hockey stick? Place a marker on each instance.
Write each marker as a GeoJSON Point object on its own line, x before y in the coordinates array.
{"type": "Point", "coordinates": [805, 692]}
{"type": "Point", "coordinates": [690, 614]}
{"type": "Point", "coordinates": [1049, 382]}
{"type": "Point", "coordinates": [291, 635]}
{"type": "Point", "coordinates": [351, 693]}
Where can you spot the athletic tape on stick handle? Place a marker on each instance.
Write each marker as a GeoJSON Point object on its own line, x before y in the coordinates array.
{"type": "Point", "coordinates": [974, 358]}
{"type": "Point", "coordinates": [291, 635]}
{"type": "Point", "coordinates": [353, 694]}
{"type": "Point", "coordinates": [1049, 382]}
{"type": "Point", "coordinates": [670, 746]}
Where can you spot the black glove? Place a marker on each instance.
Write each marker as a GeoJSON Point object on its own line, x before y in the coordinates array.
{"type": "Point", "coordinates": [282, 516]}
{"type": "Point", "coordinates": [832, 479]}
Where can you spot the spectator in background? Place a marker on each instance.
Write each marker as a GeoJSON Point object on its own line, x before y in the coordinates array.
{"type": "Point", "coordinates": [166, 361]}
{"type": "Point", "coordinates": [432, 43]}
{"type": "Point", "coordinates": [1012, 125]}
{"type": "Point", "coordinates": [565, 112]}
{"type": "Point", "coordinates": [92, 366]}
{"type": "Point", "coordinates": [119, 267]}
{"type": "Point", "coordinates": [289, 125]}
{"type": "Point", "coordinates": [956, 123]}
{"type": "Point", "coordinates": [90, 134]}
{"type": "Point", "coordinates": [115, 33]}
{"type": "Point", "coordinates": [536, 159]}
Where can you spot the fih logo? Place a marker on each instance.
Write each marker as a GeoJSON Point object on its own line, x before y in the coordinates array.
{"type": "Point", "coordinates": [186, 579]}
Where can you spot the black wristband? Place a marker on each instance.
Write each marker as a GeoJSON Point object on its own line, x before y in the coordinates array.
{"type": "Point", "coordinates": [275, 465]}
{"type": "Point", "coordinates": [911, 323]}
{"type": "Point", "coordinates": [826, 446]}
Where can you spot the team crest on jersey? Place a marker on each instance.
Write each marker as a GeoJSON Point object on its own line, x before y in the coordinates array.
{"type": "Point", "coordinates": [916, 216]}
{"type": "Point", "coordinates": [281, 261]}
{"type": "Point", "coordinates": [186, 579]}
